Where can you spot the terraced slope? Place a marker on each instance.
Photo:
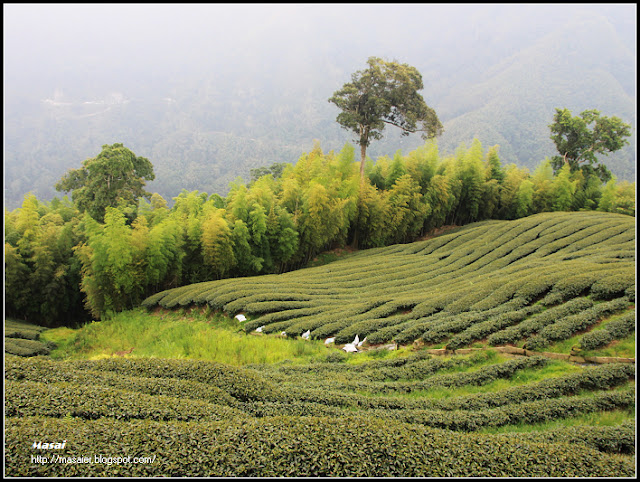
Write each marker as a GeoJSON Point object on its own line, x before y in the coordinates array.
{"type": "Point", "coordinates": [535, 280]}
{"type": "Point", "coordinates": [378, 418]}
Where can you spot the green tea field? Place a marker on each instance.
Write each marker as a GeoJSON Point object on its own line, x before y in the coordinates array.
{"type": "Point", "coordinates": [531, 282]}
{"type": "Point", "coordinates": [413, 401]}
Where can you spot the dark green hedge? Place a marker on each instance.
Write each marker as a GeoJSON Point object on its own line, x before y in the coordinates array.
{"type": "Point", "coordinates": [27, 398]}
{"type": "Point", "coordinates": [351, 446]}
{"type": "Point", "coordinates": [517, 413]}
{"type": "Point", "coordinates": [26, 348]}
{"type": "Point", "coordinates": [240, 383]}
{"type": "Point", "coordinates": [47, 371]}
{"type": "Point", "coordinates": [614, 330]}
{"type": "Point", "coordinates": [616, 439]}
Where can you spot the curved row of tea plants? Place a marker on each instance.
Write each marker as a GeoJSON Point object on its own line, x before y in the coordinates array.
{"type": "Point", "coordinates": [210, 419]}
{"type": "Point", "coordinates": [352, 446]}
{"type": "Point", "coordinates": [23, 339]}
{"type": "Point", "coordinates": [529, 282]}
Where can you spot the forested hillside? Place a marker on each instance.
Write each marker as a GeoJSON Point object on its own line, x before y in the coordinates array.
{"type": "Point", "coordinates": [61, 264]}
{"type": "Point", "coordinates": [213, 106]}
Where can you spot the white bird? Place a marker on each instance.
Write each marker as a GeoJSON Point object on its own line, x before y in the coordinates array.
{"type": "Point", "coordinates": [329, 340]}
{"type": "Point", "coordinates": [241, 318]}
{"type": "Point", "coordinates": [259, 329]}
{"type": "Point", "coordinates": [284, 333]}
{"type": "Point", "coordinates": [350, 347]}
{"type": "Point", "coordinates": [359, 344]}
{"type": "Point", "coordinates": [356, 340]}
{"type": "Point", "coordinates": [306, 335]}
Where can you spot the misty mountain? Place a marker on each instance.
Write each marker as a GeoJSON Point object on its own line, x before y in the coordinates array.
{"type": "Point", "coordinates": [207, 92]}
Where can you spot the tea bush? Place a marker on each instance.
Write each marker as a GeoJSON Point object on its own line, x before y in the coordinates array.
{"type": "Point", "coordinates": [565, 328]}
{"type": "Point", "coordinates": [209, 419]}
{"type": "Point", "coordinates": [613, 330]}
{"type": "Point", "coordinates": [26, 347]}
{"type": "Point", "coordinates": [18, 329]}
{"type": "Point", "coordinates": [539, 321]}
{"type": "Point", "coordinates": [288, 446]}
{"type": "Point", "coordinates": [26, 398]}
{"type": "Point", "coordinates": [611, 439]}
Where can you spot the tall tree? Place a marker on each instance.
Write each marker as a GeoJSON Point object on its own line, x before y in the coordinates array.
{"type": "Point", "coordinates": [542, 184]}
{"type": "Point", "coordinates": [493, 164]}
{"type": "Point", "coordinates": [578, 143]}
{"type": "Point", "coordinates": [115, 177]}
{"type": "Point", "coordinates": [397, 169]}
{"type": "Point", "coordinates": [384, 93]}
{"type": "Point", "coordinates": [513, 178]}
{"type": "Point", "coordinates": [524, 199]}
{"type": "Point", "coordinates": [373, 222]}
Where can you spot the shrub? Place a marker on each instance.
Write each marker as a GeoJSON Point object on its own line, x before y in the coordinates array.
{"type": "Point", "coordinates": [17, 329]}
{"type": "Point", "coordinates": [595, 339]}
{"type": "Point", "coordinates": [297, 447]}
{"type": "Point", "coordinates": [613, 286]}
{"type": "Point", "coordinates": [26, 348]}
{"type": "Point", "coordinates": [566, 327]}
{"type": "Point", "coordinates": [26, 398]}
{"type": "Point", "coordinates": [618, 439]}
{"type": "Point", "coordinates": [622, 326]}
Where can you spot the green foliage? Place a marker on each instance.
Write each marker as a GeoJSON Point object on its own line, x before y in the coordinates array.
{"type": "Point", "coordinates": [195, 335]}
{"type": "Point", "coordinates": [616, 439]}
{"type": "Point", "coordinates": [621, 327]}
{"type": "Point", "coordinates": [296, 419]}
{"type": "Point", "coordinates": [25, 347]}
{"type": "Point", "coordinates": [579, 143]}
{"type": "Point", "coordinates": [384, 93]}
{"type": "Point", "coordinates": [113, 270]}
{"type": "Point", "coordinates": [23, 339]}
{"type": "Point", "coordinates": [275, 448]}
{"type": "Point", "coordinates": [60, 399]}
{"type": "Point", "coordinates": [41, 270]}
{"type": "Point", "coordinates": [76, 267]}
{"type": "Point", "coordinates": [217, 247]}
{"type": "Point", "coordinates": [114, 177]}
{"type": "Point", "coordinates": [19, 329]}
{"type": "Point", "coordinates": [563, 189]}
{"type": "Point", "coordinates": [274, 170]}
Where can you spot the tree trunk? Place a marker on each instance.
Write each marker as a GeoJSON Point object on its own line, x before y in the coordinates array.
{"type": "Point", "coordinates": [363, 156]}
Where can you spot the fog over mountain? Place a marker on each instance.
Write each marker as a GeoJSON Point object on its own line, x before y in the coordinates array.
{"type": "Point", "coordinates": [207, 92]}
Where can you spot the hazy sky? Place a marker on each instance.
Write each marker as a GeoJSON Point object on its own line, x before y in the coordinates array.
{"type": "Point", "coordinates": [58, 40]}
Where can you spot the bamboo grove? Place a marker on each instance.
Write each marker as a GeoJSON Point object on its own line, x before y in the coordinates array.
{"type": "Point", "coordinates": [63, 267]}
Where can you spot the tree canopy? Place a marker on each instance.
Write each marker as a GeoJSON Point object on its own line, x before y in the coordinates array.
{"type": "Point", "coordinates": [578, 143]}
{"type": "Point", "coordinates": [114, 177]}
{"type": "Point", "coordinates": [385, 93]}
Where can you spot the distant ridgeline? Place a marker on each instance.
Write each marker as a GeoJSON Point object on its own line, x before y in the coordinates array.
{"type": "Point", "coordinates": [62, 266]}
